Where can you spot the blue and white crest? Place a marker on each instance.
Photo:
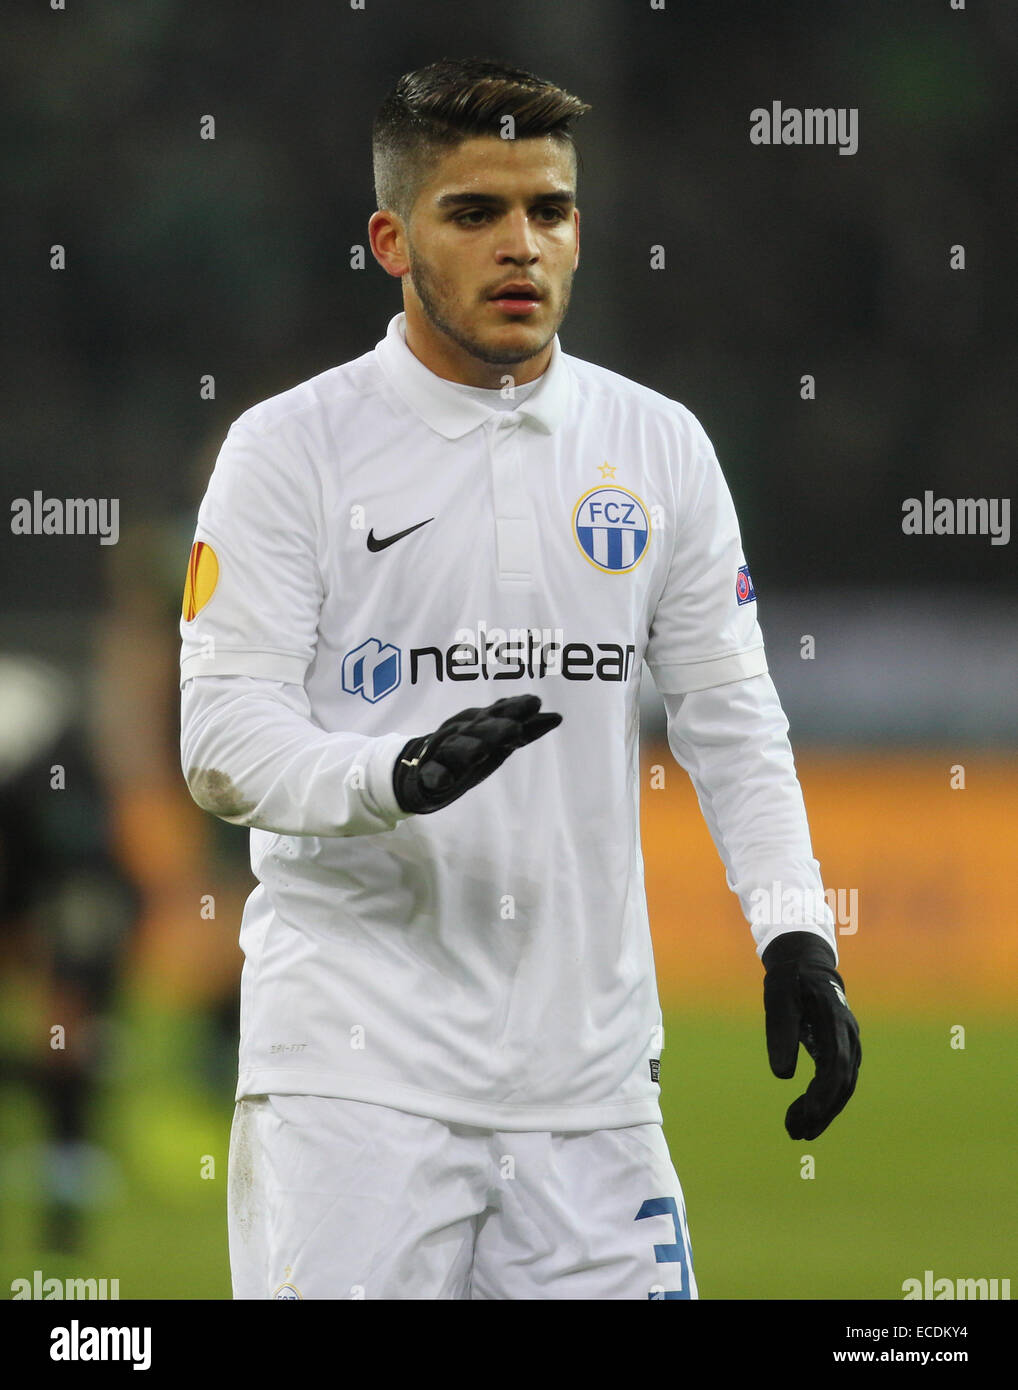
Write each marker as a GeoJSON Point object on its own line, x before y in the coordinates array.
{"type": "Point", "coordinates": [612, 529]}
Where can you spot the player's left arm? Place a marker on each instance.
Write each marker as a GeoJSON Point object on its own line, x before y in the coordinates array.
{"type": "Point", "coordinates": [726, 727]}
{"type": "Point", "coordinates": [732, 740]}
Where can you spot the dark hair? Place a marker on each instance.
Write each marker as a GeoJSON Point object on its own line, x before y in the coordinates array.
{"type": "Point", "coordinates": [435, 108]}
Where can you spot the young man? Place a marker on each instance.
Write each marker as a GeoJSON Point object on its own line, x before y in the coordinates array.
{"type": "Point", "coordinates": [451, 1035]}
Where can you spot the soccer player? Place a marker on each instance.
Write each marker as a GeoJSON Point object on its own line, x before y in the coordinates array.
{"type": "Point", "coordinates": [421, 591]}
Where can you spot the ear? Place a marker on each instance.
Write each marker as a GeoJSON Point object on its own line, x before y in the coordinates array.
{"type": "Point", "coordinates": [576, 224]}
{"type": "Point", "coordinates": [388, 243]}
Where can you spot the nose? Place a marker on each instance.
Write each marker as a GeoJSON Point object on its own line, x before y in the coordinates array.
{"type": "Point", "coordinates": [519, 244]}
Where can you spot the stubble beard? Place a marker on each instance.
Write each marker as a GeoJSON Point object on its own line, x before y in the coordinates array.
{"type": "Point", "coordinates": [424, 284]}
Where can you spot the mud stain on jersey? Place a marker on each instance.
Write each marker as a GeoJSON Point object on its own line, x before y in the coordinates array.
{"type": "Point", "coordinates": [215, 792]}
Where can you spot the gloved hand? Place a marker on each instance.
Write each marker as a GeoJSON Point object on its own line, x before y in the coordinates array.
{"type": "Point", "coordinates": [804, 1001]}
{"type": "Point", "coordinates": [434, 770]}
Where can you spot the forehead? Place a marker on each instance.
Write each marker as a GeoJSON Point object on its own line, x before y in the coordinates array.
{"type": "Point", "coordinates": [487, 164]}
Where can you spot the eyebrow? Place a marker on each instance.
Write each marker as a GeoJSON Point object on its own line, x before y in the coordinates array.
{"type": "Point", "coordinates": [493, 200]}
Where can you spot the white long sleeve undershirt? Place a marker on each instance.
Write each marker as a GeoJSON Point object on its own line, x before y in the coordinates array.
{"type": "Point", "coordinates": [733, 741]}
{"type": "Point", "coordinates": [252, 756]}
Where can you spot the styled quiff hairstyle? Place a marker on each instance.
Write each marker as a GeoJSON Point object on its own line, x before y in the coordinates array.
{"type": "Point", "coordinates": [432, 110]}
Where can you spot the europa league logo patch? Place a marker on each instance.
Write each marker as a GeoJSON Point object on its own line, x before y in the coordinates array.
{"type": "Point", "coordinates": [202, 577]}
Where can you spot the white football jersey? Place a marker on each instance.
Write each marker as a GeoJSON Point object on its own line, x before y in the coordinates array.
{"type": "Point", "coordinates": [377, 550]}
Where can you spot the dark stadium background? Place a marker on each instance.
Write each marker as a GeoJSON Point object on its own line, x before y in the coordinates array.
{"type": "Point", "coordinates": [232, 257]}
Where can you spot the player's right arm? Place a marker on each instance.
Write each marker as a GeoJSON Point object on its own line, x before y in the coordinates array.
{"type": "Point", "coordinates": [252, 755]}
{"type": "Point", "coordinates": [251, 751]}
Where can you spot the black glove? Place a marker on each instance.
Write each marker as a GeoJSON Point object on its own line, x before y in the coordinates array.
{"type": "Point", "coordinates": [436, 769]}
{"type": "Point", "coordinates": [804, 1001]}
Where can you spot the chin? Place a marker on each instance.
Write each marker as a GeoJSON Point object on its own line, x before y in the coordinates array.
{"type": "Point", "coordinates": [522, 333]}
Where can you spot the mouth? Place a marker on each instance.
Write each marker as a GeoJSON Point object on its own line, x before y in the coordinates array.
{"type": "Point", "coordinates": [517, 299]}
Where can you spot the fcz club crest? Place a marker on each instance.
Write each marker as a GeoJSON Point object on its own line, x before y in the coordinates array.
{"type": "Point", "coordinates": [612, 529]}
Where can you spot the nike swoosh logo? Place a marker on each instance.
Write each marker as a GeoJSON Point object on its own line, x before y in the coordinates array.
{"type": "Point", "coordinates": [374, 543]}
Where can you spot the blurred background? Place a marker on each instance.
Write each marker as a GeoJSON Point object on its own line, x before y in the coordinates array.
{"type": "Point", "coordinates": [230, 258]}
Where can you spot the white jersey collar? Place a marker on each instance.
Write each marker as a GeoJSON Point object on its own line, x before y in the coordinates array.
{"type": "Point", "coordinates": [450, 412]}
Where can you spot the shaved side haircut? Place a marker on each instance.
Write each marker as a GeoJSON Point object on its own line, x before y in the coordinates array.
{"type": "Point", "coordinates": [432, 110]}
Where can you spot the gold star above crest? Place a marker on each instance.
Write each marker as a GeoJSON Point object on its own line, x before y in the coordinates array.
{"type": "Point", "coordinates": [607, 470]}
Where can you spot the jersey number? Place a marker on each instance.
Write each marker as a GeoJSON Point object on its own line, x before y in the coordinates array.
{"type": "Point", "coordinates": [674, 1253]}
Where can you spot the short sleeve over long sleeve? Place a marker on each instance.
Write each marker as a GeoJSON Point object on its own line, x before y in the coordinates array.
{"type": "Point", "coordinates": [704, 631]}
{"type": "Point", "coordinates": [254, 589]}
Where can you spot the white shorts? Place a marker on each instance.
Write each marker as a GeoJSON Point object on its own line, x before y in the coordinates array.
{"type": "Point", "coordinates": [344, 1199]}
